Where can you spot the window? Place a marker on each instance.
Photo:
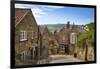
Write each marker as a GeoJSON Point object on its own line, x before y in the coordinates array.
{"type": "Point", "coordinates": [22, 56]}
{"type": "Point", "coordinates": [32, 52]}
{"type": "Point", "coordinates": [32, 35]}
{"type": "Point", "coordinates": [23, 35]}
{"type": "Point", "coordinates": [73, 38]}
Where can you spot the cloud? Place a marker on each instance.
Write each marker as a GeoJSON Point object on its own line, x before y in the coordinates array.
{"type": "Point", "coordinates": [38, 10]}
{"type": "Point", "coordinates": [21, 6]}
{"type": "Point", "coordinates": [55, 7]}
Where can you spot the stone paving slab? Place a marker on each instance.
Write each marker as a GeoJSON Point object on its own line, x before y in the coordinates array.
{"type": "Point", "coordinates": [63, 59]}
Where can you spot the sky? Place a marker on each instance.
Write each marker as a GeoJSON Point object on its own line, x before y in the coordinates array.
{"type": "Point", "coordinates": [46, 14]}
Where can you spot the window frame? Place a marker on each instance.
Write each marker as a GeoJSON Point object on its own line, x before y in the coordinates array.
{"type": "Point", "coordinates": [23, 35]}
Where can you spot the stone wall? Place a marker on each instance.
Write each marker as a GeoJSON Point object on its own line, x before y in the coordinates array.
{"type": "Point", "coordinates": [27, 24]}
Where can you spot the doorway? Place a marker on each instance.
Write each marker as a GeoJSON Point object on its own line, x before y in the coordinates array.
{"type": "Point", "coordinates": [66, 49]}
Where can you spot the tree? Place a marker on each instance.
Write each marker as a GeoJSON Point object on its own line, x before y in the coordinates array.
{"type": "Point", "coordinates": [83, 39]}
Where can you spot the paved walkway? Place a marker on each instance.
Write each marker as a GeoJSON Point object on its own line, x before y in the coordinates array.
{"type": "Point", "coordinates": [63, 59]}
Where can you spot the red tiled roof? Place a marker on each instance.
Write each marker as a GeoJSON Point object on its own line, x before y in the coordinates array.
{"type": "Point", "coordinates": [19, 14]}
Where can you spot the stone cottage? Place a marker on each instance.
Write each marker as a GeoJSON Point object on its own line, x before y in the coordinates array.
{"type": "Point", "coordinates": [45, 34]}
{"type": "Point", "coordinates": [68, 39]}
{"type": "Point", "coordinates": [26, 37]}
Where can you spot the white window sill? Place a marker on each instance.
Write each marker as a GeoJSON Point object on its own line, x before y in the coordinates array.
{"type": "Point", "coordinates": [23, 39]}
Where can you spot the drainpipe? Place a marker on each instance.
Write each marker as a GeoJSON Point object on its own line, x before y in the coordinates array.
{"type": "Point", "coordinates": [40, 44]}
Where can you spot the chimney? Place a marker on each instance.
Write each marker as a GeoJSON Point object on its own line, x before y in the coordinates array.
{"type": "Point", "coordinates": [68, 24]}
{"type": "Point", "coordinates": [73, 26]}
